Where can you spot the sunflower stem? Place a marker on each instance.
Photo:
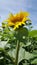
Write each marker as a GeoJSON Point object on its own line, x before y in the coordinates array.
{"type": "Point", "coordinates": [17, 52]}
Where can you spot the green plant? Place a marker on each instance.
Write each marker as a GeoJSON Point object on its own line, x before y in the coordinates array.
{"type": "Point", "coordinates": [18, 47]}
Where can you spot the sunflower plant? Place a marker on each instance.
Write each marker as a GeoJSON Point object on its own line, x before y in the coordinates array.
{"type": "Point", "coordinates": [18, 44]}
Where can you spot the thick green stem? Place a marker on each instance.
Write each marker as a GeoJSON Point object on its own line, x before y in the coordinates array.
{"type": "Point", "coordinates": [17, 52]}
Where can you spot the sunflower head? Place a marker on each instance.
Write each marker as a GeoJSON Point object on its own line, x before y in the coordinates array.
{"type": "Point", "coordinates": [18, 19]}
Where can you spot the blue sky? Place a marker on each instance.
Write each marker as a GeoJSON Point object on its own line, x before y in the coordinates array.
{"type": "Point", "coordinates": [14, 6]}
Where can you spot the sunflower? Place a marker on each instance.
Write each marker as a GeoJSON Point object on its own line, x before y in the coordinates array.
{"type": "Point", "coordinates": [17, 19]}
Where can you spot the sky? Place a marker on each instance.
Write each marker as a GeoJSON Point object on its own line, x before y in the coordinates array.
{"type": "Point", "coordinates": [15, 6]}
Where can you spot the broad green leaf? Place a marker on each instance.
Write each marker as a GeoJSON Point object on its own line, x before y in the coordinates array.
{"type": "Point", "coordinates": [34, 61]}
{"type": "Point", "coordinates": [22, 54]}
{"type": "Point", "coordinates": [27, 44]}
{"type": "Point", "coordinates": [3, 44]}
{"type": "Point", "coordinates": [33, 33]}
{"type": "Point", "coordinates": [21, 33]}
{"type": "Point", "coordinates": [12, 53]}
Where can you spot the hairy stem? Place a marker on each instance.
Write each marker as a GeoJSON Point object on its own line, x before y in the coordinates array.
{"type": "Point", "coordinates": [17, 52]}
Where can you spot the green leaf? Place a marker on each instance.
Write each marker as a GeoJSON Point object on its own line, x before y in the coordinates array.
{"type": "Point", "coordinates": [33, 33]}
{"type": "Point", "coordinates": [3, 44]}
{"type": "Point", "coordinates": [25, 63]}
{"type": "Point", "coordinates": [21, 33]}
{"type": "Point", "coordinates": [25, 55]}
{"type": "Point", "coordinates": [22, 54]}
{"type": "Point", "coordinates": [34, 61]}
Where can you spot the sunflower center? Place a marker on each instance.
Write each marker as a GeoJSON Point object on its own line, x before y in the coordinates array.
{"type": "Point", "coordinates": [19, 19]}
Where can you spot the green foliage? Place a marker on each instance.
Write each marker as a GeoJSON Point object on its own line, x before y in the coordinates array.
{"type": "Point", "coordinates": [33, 33]}
{"type": "Point", "coordinates": [27, 46]}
